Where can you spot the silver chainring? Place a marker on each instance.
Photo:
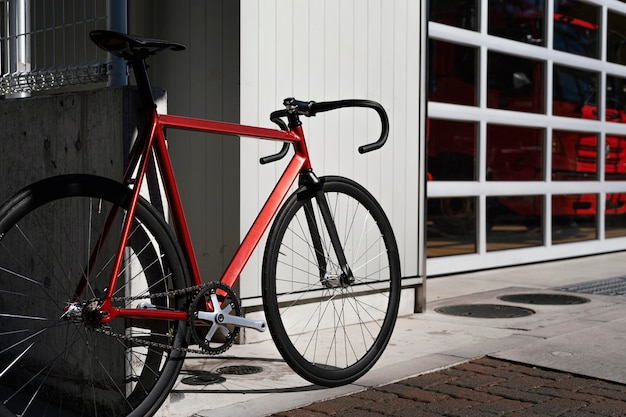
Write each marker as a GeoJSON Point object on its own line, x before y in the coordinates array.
{"type": "Point", "coordinates": [213, 335]}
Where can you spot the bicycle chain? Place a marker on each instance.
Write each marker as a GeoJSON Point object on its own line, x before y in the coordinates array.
{"type": "Point", "coordinates": [148, 343]}
{"type": "Point", "coordinates": [181, 291]}
{"type": "Point", "coordinates": [142, 342]}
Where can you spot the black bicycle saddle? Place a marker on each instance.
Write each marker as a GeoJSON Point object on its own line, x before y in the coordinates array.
{"type": "Point", "coordinates": [131, 47]}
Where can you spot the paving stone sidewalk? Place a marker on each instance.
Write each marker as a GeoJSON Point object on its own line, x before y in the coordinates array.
{"type": "Point", "coordinates": [484, 387]}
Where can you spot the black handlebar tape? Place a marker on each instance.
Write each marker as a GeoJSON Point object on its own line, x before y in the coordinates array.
{"type": "Point", "coordinates": [382, 114]}
{"type": "Point", "coordinates": [311, 108]}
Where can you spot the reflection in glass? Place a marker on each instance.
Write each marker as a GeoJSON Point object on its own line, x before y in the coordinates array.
{"type": "Point", "coordinates": [574, 93]}
{"type": "Point", "coordinates": [615, 205]}
{"type": "Point", "coordinates": [514, 153]}
{"type": "Point", "coordinates": [616, 38]}
{"type": "Point", "coordinates": [615, 158]}
{"type": "Point", "coordinates": [459, 13]}
{"type": "Point", "coordinates": [452, 74]}
{"type": "Point", "coordinates": [514, 222]}
{"type": "Point", "coordinates": [615, 99]}
{"type": "Point", "coordinates": [451, 226]}
{"type": "Point", "coordinates": [451, 150]}
{"type": "Point", "coordinates": [574, 217]}
{"type": "Point", "coordinates": [615, 215]}
{"type": "Point", "coordinates": [576, 28]}
{"type": "Point", "coordinates": [514, 83]}
{"type": "Point", "coordinates": [521, 20]}
{"type": "Point", "coordinates": [574, 156]}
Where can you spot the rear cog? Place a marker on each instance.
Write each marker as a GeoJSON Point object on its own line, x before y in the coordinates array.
{"type": "Point", "coordinates": [206, 317]}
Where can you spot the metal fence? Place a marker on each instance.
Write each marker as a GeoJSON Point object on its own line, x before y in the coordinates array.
{"type": "Point", "coordinates": [45, 44]}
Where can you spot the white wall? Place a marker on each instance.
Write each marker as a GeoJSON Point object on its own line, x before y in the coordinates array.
{"type": "Point", "coordinates": [330, 50]}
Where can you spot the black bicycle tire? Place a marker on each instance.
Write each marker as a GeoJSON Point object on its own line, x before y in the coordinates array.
{"type": "Point", "coordinates": [314, 373]}
{"type": "Point", "coordinates": [52, 190]}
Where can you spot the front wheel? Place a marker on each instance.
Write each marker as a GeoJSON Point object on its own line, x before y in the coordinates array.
{"type": "Point", "coordinates": [331, 329]}
{"type": "Point", "coordinates": [55, 361]}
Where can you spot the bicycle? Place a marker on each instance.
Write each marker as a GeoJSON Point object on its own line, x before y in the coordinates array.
{"type": "Point", "coordinates": [101, 298]}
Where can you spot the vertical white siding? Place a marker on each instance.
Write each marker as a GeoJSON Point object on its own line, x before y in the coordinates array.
{"type": "Point", "coordinates": [330, 50]}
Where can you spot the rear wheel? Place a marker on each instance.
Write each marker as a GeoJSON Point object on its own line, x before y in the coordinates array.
{"type": "Point", "coordinates": [56, 361]}
{"type": "Point", "coordinates": [329, 329]}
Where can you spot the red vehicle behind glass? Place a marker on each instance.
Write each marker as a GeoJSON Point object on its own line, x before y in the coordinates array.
{"type": "Point", "coordinates": [516, 153]}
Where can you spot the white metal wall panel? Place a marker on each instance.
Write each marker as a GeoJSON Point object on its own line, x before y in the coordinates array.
{"type": "Point", "coordinates": [330, 50]}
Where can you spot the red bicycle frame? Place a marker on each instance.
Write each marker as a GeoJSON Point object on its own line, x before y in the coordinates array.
{"type": "Point", "coordinates": [151, 145]}
{"type": "Point", "coordinates": [154, 143]}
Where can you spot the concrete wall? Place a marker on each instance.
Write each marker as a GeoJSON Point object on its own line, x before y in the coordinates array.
{"type": "Point", "coordinates": [61, 134]}
{"type": "Point", "coordinates": [48, 136]}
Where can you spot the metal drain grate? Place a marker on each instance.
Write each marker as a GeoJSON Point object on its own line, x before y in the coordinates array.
{"type": "Point", "coordinates": [610, 286]}
{"type": "Point", "coordinates": [485, 311]}
{"type": "Point", "coordinates": [203, 378]}
{"type": "Point", "coordinates": [544, 299]}
{"type": "Point", "coordinates": [239, 370]}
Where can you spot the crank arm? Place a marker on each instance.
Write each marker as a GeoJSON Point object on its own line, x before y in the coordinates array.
{"type": "Point", "coordinates": [221, 319]}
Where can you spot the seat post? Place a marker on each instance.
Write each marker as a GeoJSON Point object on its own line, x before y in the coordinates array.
{"type": "Point", "coordinates": [143, 83]}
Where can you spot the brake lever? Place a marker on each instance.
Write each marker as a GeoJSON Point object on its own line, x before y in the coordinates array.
{"type": "Point", "coordinates": [276, 118]}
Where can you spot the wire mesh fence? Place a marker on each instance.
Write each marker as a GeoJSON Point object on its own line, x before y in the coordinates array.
{"type": "Point", "coordinates": [45, 44]}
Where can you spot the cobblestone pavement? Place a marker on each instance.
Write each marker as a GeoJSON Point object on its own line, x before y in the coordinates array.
{"type": "Point", "coordinates": [484, 387]}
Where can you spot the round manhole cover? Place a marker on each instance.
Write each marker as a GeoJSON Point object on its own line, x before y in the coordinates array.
{"type": "Point", "coordinates": [203, 378]}
{"type": "Point", "coordinates": [544, 299]}
{"type": "Point", "coordinates": [485, 311]}
{"type": "Point", "coordinates": [239, 370]}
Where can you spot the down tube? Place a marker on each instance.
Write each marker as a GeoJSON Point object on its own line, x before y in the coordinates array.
{"type": "Point", "coordinates": [262, 221]}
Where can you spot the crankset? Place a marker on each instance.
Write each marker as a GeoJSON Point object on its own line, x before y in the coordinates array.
{"type": "Point", "coordinates": [215, 318]}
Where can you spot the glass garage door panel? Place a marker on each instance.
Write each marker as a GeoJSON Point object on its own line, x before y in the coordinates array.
{"type": "Point", "coordinates": [574, 156]}
{"type": "Point", "coordinates": [515, 83]}
{"type": "Point", "coordinates": [527, 133]}
{"type": "Point", "coordinates": [514, 153]}
{"type": "Point", "coordinates": [615, 218]}
{"type": "Point", "coordinates": [514, 222]}
{"type": "Point", "coordinates": [452, 73]}
{"type": "Point", "coordinates": [451, 226]}
{"type": "Point", "coordinates": [452, 150]}
{"type": "Point", "coordinates": [574, 93]}
{"type": "Point", "coordinates": [576, 28]}
{"type": "Point", "coordinates": [522, 21]}
{"type": "Point", "coordinates": [574, 218]}
{"type": "Point", "coordinates": [460, 14]}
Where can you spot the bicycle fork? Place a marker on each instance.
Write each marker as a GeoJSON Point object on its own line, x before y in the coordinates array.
{"type": "Point", "coordinates": [327, 278]}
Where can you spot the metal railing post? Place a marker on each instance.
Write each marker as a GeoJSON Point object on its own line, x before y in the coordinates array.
{"type": "Point", "coordinates": [19, 47]}
{"type": "Point", "coordinates": [117, 12]}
